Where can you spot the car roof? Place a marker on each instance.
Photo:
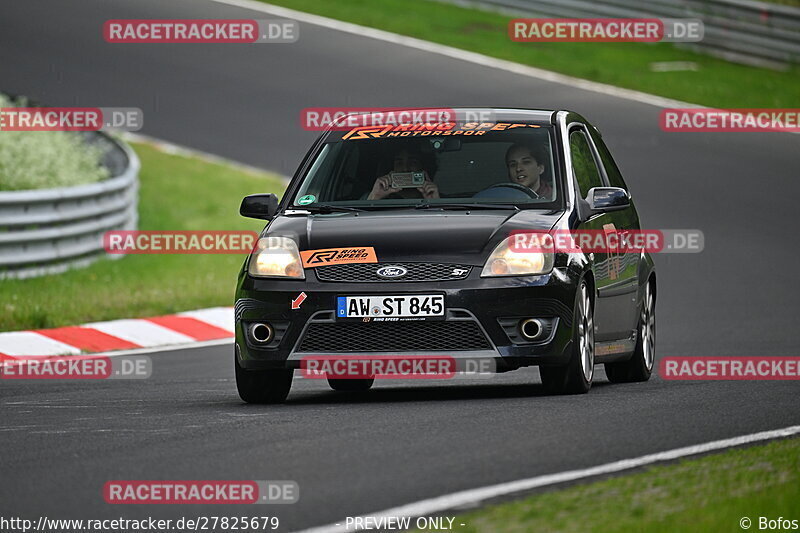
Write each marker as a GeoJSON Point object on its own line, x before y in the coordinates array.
{"type": "Point", "coordinates": [510, 113]}
{"type": "Point", "coordinates": [481, 114]}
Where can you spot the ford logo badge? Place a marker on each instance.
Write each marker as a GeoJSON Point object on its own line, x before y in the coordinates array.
{"type": "Point", "coordinates": [391, 272]}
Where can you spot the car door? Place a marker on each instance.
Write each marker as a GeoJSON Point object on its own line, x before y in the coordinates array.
{"type": "Point", "coordinates": [612, 305]}
{"type": "Point", "coordinates": [627, 282]}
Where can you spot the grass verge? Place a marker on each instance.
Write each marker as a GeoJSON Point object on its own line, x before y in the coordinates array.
{"type": "Point", "coordinates": [177, 193]}
{"type": "Point", "coordinates": [716, 83]}
{"type": "Point", "coordinates": [712, 493]}
{"type": "Point", "coordinates": [46, 159]}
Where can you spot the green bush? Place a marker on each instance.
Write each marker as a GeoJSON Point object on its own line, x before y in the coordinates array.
{"type": "Point", "coordinates": [46, 159]}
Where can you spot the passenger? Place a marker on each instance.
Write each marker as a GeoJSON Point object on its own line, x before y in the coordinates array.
{"type": "Point", "coordinates": [526, 166]}
{"type": "Point", "coordinates": [405, 160]}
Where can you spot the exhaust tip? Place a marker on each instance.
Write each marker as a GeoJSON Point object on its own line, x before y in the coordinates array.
{"type": "Point", "coordinates": [261, 332]}
{"type": "Point", "coordinates": [532, 329]}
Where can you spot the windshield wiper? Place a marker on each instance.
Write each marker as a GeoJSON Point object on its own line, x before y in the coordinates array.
{"type": "Point", "coordinates": [465, 206]}
{"type": "Point", "coordinates": [330, 208]}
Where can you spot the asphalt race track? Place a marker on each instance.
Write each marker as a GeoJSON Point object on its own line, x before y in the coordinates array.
{"type": "Point", "coordinates": [401, 442]}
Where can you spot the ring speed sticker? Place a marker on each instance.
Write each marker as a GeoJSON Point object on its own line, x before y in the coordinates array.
{"type": "Point", "coordinates": [338, 256]}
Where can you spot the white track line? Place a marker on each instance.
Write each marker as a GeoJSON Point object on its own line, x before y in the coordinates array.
{"type": "Point", "coordinates": [476, 496]}
{"type": "Point", "coordinates": [168, 348]}
{"type": "Point", "coordinates": [455, 53]}
{"type": "Point", "coordinates": [145, 351]}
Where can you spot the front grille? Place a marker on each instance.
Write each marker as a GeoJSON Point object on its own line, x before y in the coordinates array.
{"type": "Point", "coordinates": [394, 336]}
{"type": "Point", "coordinates": [367, 272]}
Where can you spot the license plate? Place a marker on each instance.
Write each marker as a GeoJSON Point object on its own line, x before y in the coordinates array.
{"type": "Point", "coordinates": [389, 308]}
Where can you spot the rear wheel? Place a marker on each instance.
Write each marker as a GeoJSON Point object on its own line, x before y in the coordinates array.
{"type": "Point", "coordinates": [576, 376]}
{"type": "Point", "coordinates": [263, 386]}
{"type": "Point", "coordinates": [640, 366]}
{"type": "Point", "coordinates": [350, 384]}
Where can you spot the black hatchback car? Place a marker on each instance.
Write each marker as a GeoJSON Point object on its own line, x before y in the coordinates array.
{"type": "Point", "coordinates": [398, 240]}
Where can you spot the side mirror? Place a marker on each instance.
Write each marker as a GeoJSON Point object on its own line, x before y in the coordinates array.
{"type": "Point", "coordinates": [263, 206]}
{"type": "Point", "coordinates": [608, 199]}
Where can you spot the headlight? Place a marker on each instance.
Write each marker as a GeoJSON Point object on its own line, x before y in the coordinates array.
{"type": "Point", "coordinates": [504, 261]}
{"type": "Point", "coordinates": [276, 257]}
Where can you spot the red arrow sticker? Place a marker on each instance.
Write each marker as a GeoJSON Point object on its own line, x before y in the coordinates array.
{"type": "Point", "coordinates": [299, 300]}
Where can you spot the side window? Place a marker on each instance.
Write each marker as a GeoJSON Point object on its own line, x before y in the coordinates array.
{"type": "Point", "coordinates": [315, 178]}
{"type": "Point", "coordinates": [583, 164]}
{"type": "Point", "coordinates": [612, 171]}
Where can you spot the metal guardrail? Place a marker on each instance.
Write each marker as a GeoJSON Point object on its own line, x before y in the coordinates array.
{"type": "Point", "coordinates": [745, 31]}
{"type": "Point", "coordinates": [51, 230]}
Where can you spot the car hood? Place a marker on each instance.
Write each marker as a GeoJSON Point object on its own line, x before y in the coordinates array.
{"type": "Point", "coordinates": [436, 236]}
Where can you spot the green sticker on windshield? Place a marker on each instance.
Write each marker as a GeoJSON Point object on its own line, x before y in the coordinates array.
{"type": "Point", "coordinates": [307, 199]}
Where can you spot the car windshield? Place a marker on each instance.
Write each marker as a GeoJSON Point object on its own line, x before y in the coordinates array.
{"type": "Point", "coordinates": [447, 164]}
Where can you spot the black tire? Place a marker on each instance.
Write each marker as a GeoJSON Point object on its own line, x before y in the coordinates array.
{"type": "Point", "coordinates": [263, 386]}
{"type": "Point", "coordinates": [351, 385]}
{"type": "Point", "coordinates": [576, 376]}
{"type": "Point", "coordinates": [640, 366]}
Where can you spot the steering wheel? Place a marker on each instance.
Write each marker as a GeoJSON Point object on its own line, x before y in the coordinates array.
{"type": "Point", "coordinates": [497, 187]}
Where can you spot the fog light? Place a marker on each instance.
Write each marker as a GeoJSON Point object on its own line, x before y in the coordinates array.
{"type": "Point", "coordinates": [532, 329]}
{"type": "Point", "coordinates": [261, 332]}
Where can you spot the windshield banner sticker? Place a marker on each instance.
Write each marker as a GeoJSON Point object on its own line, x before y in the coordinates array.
{"type": "Point", "coordinates": [437, 128]}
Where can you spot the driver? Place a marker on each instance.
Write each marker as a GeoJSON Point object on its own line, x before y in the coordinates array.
{"type": "Point", "coordinates": [526, 166]}
{"type": "Point", "coordinates": [407, 159]}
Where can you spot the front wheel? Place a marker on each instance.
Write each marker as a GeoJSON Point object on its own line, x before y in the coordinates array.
{"type": "Point", "coordinates": [263, 386]}
{"type": "Point", "coordinates": [640, 366]}
{"type": "Point", "coordinates": [576, 376]}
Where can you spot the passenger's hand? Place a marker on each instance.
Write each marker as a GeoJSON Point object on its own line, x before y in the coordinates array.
{"type": "Point", "coordinates": [429, 189]}
{"type": "Point", "coordinates": [382, 188]}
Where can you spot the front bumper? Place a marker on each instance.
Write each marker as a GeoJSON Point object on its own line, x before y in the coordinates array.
{"type": "Point", "coordinates": [481, 320]}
